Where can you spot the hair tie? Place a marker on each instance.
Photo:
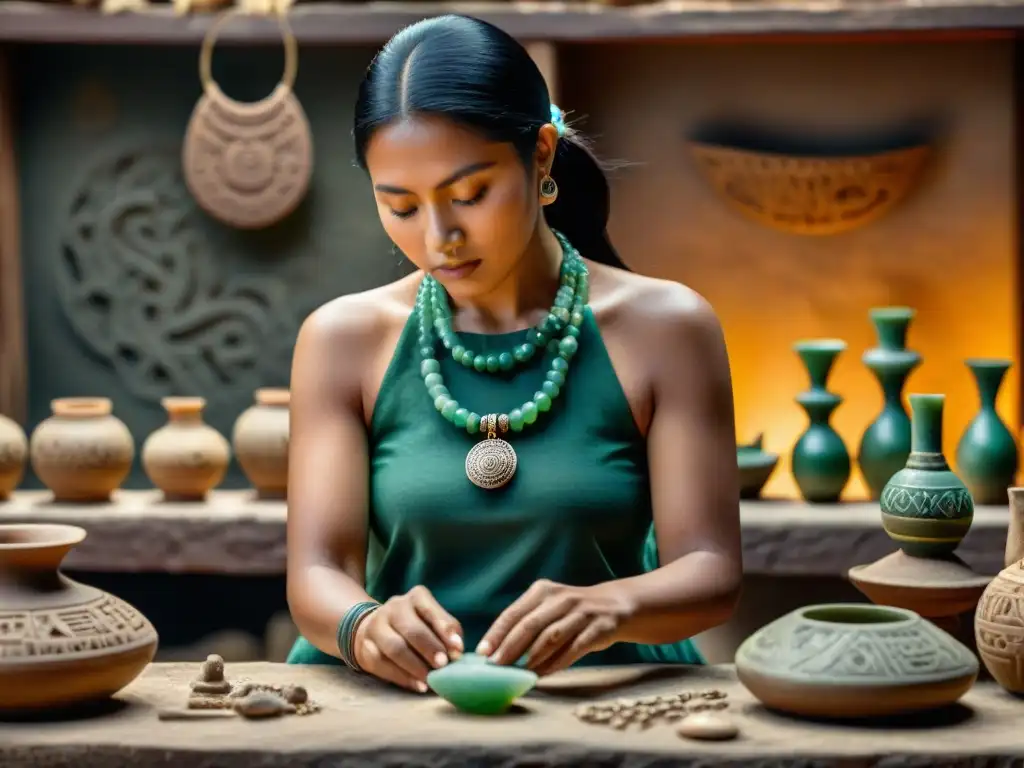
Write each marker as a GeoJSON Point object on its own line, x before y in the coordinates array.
{"type": "Point", "coordinates": [558, 120]}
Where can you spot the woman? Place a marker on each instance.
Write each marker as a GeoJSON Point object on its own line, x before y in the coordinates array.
{"type": "Point", "coordinates": [517, 531]}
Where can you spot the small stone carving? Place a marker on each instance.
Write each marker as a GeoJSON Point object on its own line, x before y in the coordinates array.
{"type": "Point", "coordinates": [645, 712]}
{"type": "Point", "coordinates": [708, 726]}
{"type": "Point", "coordinates": [211, 677]}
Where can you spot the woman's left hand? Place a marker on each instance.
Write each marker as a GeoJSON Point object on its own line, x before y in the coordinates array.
{"type": "Point", "coordinates": [555, 625]}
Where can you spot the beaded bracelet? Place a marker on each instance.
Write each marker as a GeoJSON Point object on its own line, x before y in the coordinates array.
{"type": "Point", "coordinates": [347, 631]}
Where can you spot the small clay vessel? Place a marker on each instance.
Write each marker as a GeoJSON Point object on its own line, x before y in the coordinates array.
{"type": "Point", "coordinates": [82, 452]}
{"type": "Point", "coordinates": [186, 457]}
{"type": "Point", "coordinates": [926, 509]}
{"type": "Point", "coordinates": [854, 661]}
{"type": "Point", "coordinates": [999, 620]}
{"type": "Point", "coordinates": [885, 445]}
{"type": "Point", "coordinates": [755, 466]}
{"type": "Point", "coordinates": [474, 684]}
{"type": "Point", "coordinates": [820, 461]}
{"type": "Point", "coordinates": [261, 442]}
{"type": "Point", "coordinates": [61, 642]}
{"type": "Point", "coordinates": [13, 452]}
{"type": "Point", "coordinates": [986, 456]}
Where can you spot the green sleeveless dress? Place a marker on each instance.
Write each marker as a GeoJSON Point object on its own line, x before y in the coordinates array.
{"type": "Point", "coordinates": [577, 511]}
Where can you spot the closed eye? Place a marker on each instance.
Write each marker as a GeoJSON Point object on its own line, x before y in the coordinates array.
{"type": "Point", "coordinates": [474, 199]}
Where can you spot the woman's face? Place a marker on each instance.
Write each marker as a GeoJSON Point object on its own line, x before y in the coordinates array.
{"type": "Point", "coordinates": [458, 206]}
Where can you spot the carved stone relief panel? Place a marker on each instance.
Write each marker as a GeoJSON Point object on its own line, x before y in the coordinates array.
{"type": "Point", "coordinates": [132, 291]}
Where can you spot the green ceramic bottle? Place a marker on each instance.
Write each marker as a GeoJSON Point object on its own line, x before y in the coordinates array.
{"type": "Point", "coordinates": [986, 456]}
{"type": "Point", "coordinates": [820, 461]}
{"type": "Point", "coordinates": [885, 445]}
{"type": "Point", "coordinates": [926, 509]}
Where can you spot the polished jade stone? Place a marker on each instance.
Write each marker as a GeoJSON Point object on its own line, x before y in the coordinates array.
{"type": "Point", "coordinates": [474, 684]}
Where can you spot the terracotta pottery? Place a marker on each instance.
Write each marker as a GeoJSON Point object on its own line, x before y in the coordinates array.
{"type": "Point", "coordinates": [185, 458]}
{"type": "Point", "coordinates": [13, 452]}
{"type": "Point", "coordinates": [82, 452]}
{"type": "Point", "coordinates": [854, 661]}
{"type": "Point", "coordinates": [261, 442]}
{"type": "Point", "coordinates": [61, 643]}
{"type": "Point", "coordinates": [755, 466]}
{"type": "Point", "coordinates": [999, 620]}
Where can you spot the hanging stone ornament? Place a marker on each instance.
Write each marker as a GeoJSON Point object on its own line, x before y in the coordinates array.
{"type": "Point", "coordinates": [248, 165]}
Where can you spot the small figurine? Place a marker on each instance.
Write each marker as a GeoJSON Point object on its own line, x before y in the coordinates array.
{"type": "Point", "coordinates": [211, 677]}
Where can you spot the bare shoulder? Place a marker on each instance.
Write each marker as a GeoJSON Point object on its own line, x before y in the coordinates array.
{"type": "Point", "coordinates": [359, 321]}
{"type": "Point", "coordinates": [661, 311]}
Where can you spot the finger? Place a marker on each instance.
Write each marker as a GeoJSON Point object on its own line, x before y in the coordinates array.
{"type": "Point", "coordinates": [581, 645]}
{"type": "Point", "coordinates": [397, 650]}
{"type": "Point", "coordinates": [380, 666]}
{"type": "Point", "coordinates": [420, 636]}
{"type": "Point", "coordinates": [529, 628]}
{"type": "Point", "coordinates": [444, 625]}
{"type": "Point", "coordinates": [509, 618]}
{"type": "Point", "coordinates": [555, 639]}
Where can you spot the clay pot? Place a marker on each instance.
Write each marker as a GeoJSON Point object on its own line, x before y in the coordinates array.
{"type": "Point", "coordinates": [13, 451]}
{"type": "Point", "coordinates": [61, 643]}
{"type": "Point", "coordinates": [999, 620]}
{"type": "Point", "coordinates": [186, 457]}
{"type": "Point", "coordinates": [854, 661]}
{"type": "Point", "coordinates": [261, 442]}
{"type": "Point", "coordinates": [83, 452]}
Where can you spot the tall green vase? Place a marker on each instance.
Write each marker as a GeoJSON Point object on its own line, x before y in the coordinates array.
{"type": "Point", "coordinates": [986, 456]}
{"type": "Point", "coordinates": [926, 509]}
{"type": "Point", "coordinates": [820, 461]}
{"type": "Point", "coordinates": [885, 445]}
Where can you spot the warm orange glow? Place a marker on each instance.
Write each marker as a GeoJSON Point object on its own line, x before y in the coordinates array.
{"type": "Point", "coordinates": [968, 315]}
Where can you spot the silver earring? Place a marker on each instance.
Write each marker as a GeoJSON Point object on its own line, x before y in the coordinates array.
{"type": "Point", "coordinates": [548, 189]}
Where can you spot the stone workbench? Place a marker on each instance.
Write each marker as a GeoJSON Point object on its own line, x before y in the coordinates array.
{"type": "Point", "coordinates": [234, 533]}
{"type": "Point", "coordinates": [364, 724]}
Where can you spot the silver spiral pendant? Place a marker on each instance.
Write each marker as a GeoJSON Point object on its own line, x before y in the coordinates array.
{"type": "Point", "coordinates": [491, 463]}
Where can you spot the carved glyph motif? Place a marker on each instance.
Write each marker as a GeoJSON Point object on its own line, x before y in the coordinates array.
{"type": "Point", "coordinates": [839, 653]}
{"type": "Point", "coordinates": [999, 627]}
{"type": "Point", "coordinates": [67, 633]}
{"type": "Point", "coordinates": [951, 504]}
{"type": "Point", "coordinates": [144, 288]}
{"type": "Point", "coordinates": [809, 195]}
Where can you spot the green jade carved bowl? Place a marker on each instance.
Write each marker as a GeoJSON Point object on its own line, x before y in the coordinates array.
{"type": "Point", "coordinates": [474, 684]}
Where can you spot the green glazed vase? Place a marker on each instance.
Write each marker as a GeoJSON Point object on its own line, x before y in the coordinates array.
{"type": "Point", "coordinates": [820, 461]}
{"type": "Point", "coordinates": [755, 466]}
{"type": "Point", "coordinates": [986, 456]}
{"type": "Point", "coordinates": [885, 445]}
{"type": "Point", "coordinates": [926, 509]}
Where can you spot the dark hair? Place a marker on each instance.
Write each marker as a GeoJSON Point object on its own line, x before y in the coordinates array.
{"type": "Point", "coordinates": [475, 74]}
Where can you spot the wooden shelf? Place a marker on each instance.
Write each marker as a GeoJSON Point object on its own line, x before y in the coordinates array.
{"type": "Point", "coordinates": [351, 23]}
{"type": "Point", "coordinates": [235, 534]}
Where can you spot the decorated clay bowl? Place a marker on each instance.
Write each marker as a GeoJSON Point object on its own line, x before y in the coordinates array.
{"type": "Point", "coordinates": [854, 661]}
{"type": "Point", "coordinates": [476, 685]}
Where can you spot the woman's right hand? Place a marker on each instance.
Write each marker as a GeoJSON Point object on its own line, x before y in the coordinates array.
{"type": "Point", "coordinates": [406, 637]}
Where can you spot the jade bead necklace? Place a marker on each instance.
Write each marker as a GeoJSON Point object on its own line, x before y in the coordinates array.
{"type": "Point", "coordinates": [492, 462]}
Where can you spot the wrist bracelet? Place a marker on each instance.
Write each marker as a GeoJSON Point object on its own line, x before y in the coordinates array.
{"type": "Point", "coordinates": [347, 632]}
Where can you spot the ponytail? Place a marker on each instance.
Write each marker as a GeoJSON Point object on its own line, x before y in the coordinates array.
{"type": "Point", "coordinates": [581, 210]}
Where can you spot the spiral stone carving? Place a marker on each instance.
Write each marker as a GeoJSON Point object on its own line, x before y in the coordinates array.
{"type": "Point", "coordinates": [491, 464]}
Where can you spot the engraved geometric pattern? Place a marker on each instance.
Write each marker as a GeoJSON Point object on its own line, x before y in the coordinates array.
{"type": "Point", "coordinates": [951, 503]}
{"type": "Point", "coordinates": [139, 284]}
{"type": "Point", "coordinates": [81, 630]}
{"type": "Point", "coordinates": [848, 653]}
{"type": "Point", "coordinates": [999, 623]}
